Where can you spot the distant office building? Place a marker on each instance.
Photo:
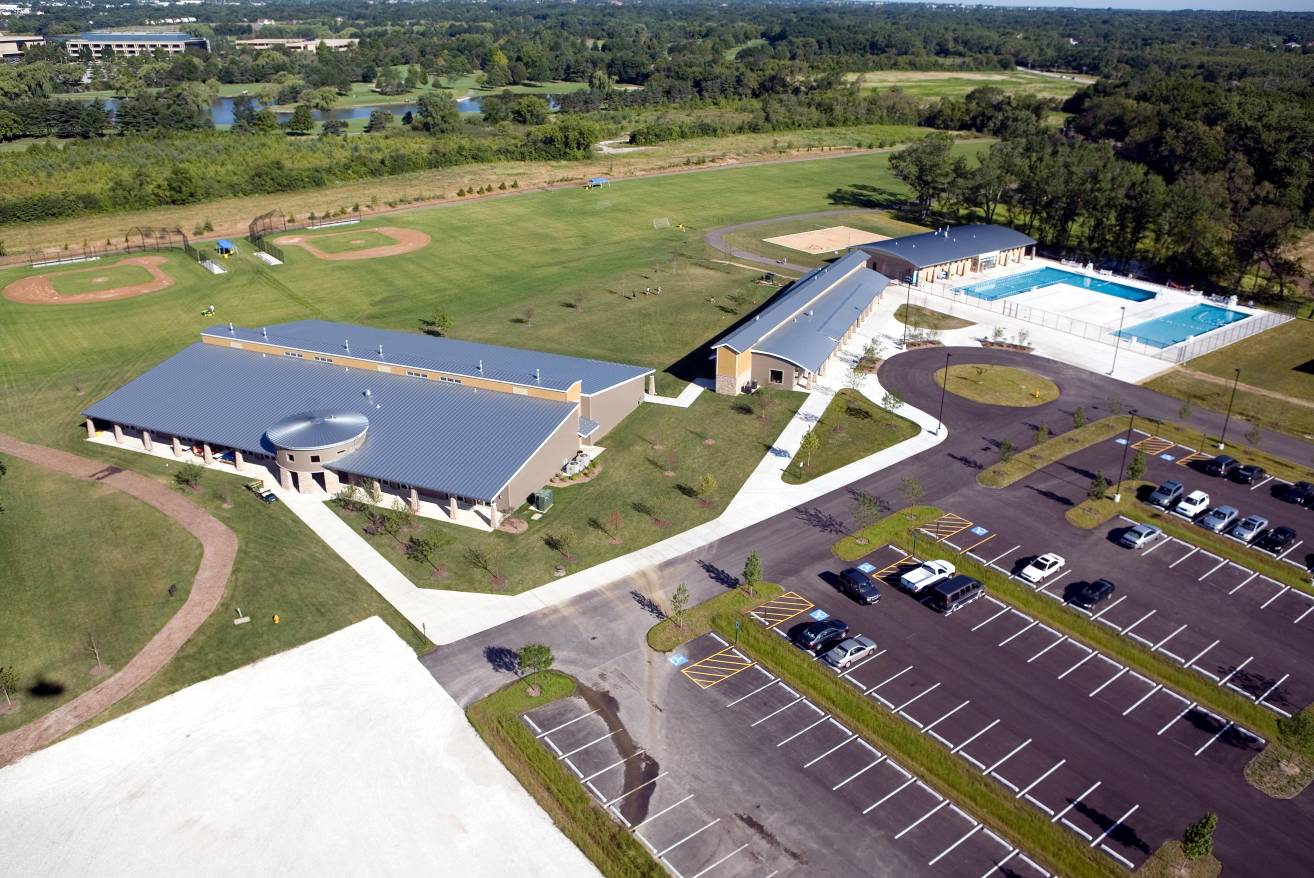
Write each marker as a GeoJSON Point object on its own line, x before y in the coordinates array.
{"type": "Point", "coordinates": [131, 45]}
{"type": "Point", "coordinates": [12, 46]}
{"type": "Point", "coordinates": [297, 44]}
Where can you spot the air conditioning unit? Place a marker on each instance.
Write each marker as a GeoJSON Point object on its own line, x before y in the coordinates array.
{"type": "Point", "coordinates": [541, 500]}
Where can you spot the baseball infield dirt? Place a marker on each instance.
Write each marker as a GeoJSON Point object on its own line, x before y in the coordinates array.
{"type": "Point", "coordinates": [38, 289]}
{"type": "Point", "coordinates": [408, 241]}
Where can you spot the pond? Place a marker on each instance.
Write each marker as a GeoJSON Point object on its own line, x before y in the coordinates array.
{"type": "Point", "coordinates": [221, 109]}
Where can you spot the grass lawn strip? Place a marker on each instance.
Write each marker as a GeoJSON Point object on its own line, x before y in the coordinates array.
{"type": "Point", "coordinates": [1024, 463]}
{"type": "Point", "coordinates": [1023, 826]}
{"type": "Point", "coordinates": [919, 317]}
{"type": "Point", "coordinates": [667, 634]}
{"type": "Point", "coordinates": [1280, 772]}
{"type": "Point", "coordinates": [1093, 512]}
{"type": "Point", "coordinates": [851, 428]}
{"type": "Point", "coordinates": [1191, 438]}
{"type": "Point", "coordinates": [497, 719]}
{"type": "Point", "coordinates": [1170, 861]}
{"type": "Point", "coordinates": [998, 385]}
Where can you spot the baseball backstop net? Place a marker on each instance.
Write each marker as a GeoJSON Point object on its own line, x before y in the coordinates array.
{"type": "Point", "coordinates": [263, 226]}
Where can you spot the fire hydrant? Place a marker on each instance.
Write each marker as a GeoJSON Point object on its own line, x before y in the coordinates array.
{"type": "Point", "coordinates": [276, 619]}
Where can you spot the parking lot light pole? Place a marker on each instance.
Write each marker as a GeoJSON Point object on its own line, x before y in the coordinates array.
{"type": "Point", "coordinates": [907, 308]}
{"type": "Point", "coordinates": [1226, 420]}
{"type": "Point", "coordinates": [1117, 338]}
{"type": "Point", "coordinates": [939, 419]}
{"type": "Point", "coordinates": [1122, 469]}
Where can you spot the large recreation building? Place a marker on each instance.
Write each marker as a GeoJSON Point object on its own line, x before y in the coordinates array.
{"type": "Point", "coordinates": [458, 425]}
{"type": "Point", "coordinates": [951, 252]}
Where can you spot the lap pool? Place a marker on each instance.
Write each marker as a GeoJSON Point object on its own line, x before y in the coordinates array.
{"type": "Point", "coordinates": [1162, 332]}
{"type": "Point", "coordinates": [1012, 285]}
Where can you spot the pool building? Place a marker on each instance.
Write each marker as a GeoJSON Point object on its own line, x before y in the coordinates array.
{"type": "Point", "coordinates": [468, 431]}
{"type": "Point", "coordinates": [949, 253]}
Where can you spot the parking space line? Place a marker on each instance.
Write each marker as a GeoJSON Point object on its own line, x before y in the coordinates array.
{"type": "Point", "coordinates": [883, 799]}
{"type": "Point", "coordinates": [1019, 633]}
{"type": "Point", "coordinates": [1175, 719]}
{"type": "Point", "coordinates": [652, 817]}
{"type": "Point", "coordinates": [824, 717]}
{"type": "Point", "coordinates": [1088, 657]}
{"type": "Point", "coordinates": [613, 765]}
{"type": "Point", "coordinates": [1128, 629]}
{"type": "Point", "coordinates": [776, 711]}
{"type": "Point", "coordinates": [1194, 549]}
{"type": "Point", "coordinates": [890, 568]}
{"type": "Point", "coordinates": [946, 716]}
{"type": "Point", "coordinates": [1199, 655]}
{"type": "Point", "coordinates": [1062, 637]}
{"type": "Point", "coordinates": [751, 694]}
{"type": "Point", "coordinates": [1032, 785]}
{"type": "Point", "coordinates": [991, 619]}
{"type": "Point", "coordinates": [909, 828]}
{"type": "Point", "coordinates": [720, 861]}
{"type": "Point", "coordinates": [861, 771]}
{"type": "Point", "coordinates": [533, 725]}
{"type": "Point", "coordinates": [1109, 607]}
{"type": "Point", "coordinates": [971, 832]}
{"type": "Point", "coordinates": [1269, 690]}
{"type": "Point", "coordinates": [900, 708]}
{"type": "Point", "coordinates": [1074, 802]}
{"type": "Point", "coordinates": [1002, 554]}
{"type": "Point", "coordinates": [828, 752]}
{"type": "Point", "coordinates": [1214, 738]}
{"type": "Point", "coordinates": [1284, 590]}
{"type": "Point", "coordinates": [689, 836]}
{"type": "Point", "coordinates": [1053, 581]}
{"type": "Point", "coordinates": [1142, 699]}
{"type": "Point", "coordinates": [1234, 670]}
{"type": "Point", "coordinates": [969, 549]}
{"type": "Point", "coordinates": [1039, 804]}
{"type": "Point", "coordinates": [1247, 579]}
{"type": "Point", "coordinates": [1296, 620]}
{"type": "Point", "coordinates": [888, 679]}
{"type": "Point", "coordinates": [1153, 446]}
{"type": "Point", "coordinates": [636, 789]}
{"type": "Point", "coordinates": [1004, 759]}
{"type": "Point", "coordinates": [563, 725]}
{"type": "Point", "coordinates": [1213, 571]}
{"type": "Point", "coordinates": [860, 664]}
{"type": "Point", "coordinates": [589, 744]}
{"type": "Point", "coordinates": [988, 727]}
{"type": "Point", "coordinates": [1160, 644]}
{"type": "Point", "coordinates": [1000, 865]}
{"type": "Point", "coordinates": [1075, 828]}
{"type": "Point", "coordinates": [1292, 549]}
{"type": "Point", "coordinates": [1100, 688]}
{"type": "Point", "coordinates": [1117, 856]}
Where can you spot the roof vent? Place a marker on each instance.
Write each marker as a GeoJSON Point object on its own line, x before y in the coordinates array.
{"type": "Point", "coordinates": [481, 367]}
{"type": "Point", "coordinates": [380, 350]}
{"type": "Point", "coordinates": [346, 345]}
{"type": "Point", "coordinates": [809, 312]}
{"type": "Point", "coordinates": [264, 333]}
{"type": "Point", "coordinates": [536, 377]}
{"type": "Point", "coordinates": [368, 394]}
{"type": "Point", "coordinates": [230, 327]}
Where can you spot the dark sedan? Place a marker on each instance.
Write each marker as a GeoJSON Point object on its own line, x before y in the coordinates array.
{"type": "Point", "coordinates": [819, 636]}
{"type": "Point", "coordinates": [859, 586]}
{"type": "Point", "coordinates": [1089, 594]}
{"type": "Point", "coordinates": [1277, 540]}
{"type": "Point", "coordinates": [1249, 474]}
{"type": "Point", "coordinates": [1301, 493]}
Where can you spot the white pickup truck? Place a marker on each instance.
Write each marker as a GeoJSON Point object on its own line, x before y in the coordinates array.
{"type": "Point", "coordinates": [927, 575]}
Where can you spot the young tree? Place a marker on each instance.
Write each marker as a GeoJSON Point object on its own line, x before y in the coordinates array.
{"type": "Point", "coordinates": [752, 572]}
{"type": "Point", "coordinates": [332, 127]}
{"type": "Point", "coordinates": [437, 323]}
{"type": "Point", "coordinates": [1198, 840]}
{"type": "Point", "coordinates": [1006, 451]}
{"type": "Point", "coordinates": [1042, 434]}
{"type": "Point", "coordinates": [615, 521]}
{"type": "Point", "coordinates": [911, 488]}
{"type": "Point", "coordinates": [1254, 434]}
{"type": "Point", "coordinates": [8, 681]}
{"type": "Point", "coordinates": [188, 476]}
{"type": "Point", "coordinates": [706, 489]}
{"type": "Point", "coordinates": [1136, 469]}
{"type": "Point", "coordinates": [1184, 410]}
{"type": "Point", "coordinates": [892, 401]}
{"type": "Point", "coordinates": [679, 604]}
{"type": "Point", "coordinates": [93, 646]}
{"type": "Point", "coordinates": [422, 548]}
{"type": "Point", "coordinates": [1099, 487]}
{"type": "Point", "coordinates": [808, 445]}
{"type": "Point", "coordinates": [562, 543]}
{"type": "Point", "coordinates": [533, 658]}
{"type": "Point", "coordinates": [1079, 417]}
{"type": "Point", "coordinates": [866, 511]}
{"type": "Point", "coordinates": [301, 121]}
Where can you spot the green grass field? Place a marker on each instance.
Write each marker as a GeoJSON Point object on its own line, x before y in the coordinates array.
{"type": "Point", "coordinates": [851, 428]}
{"type": "Point", "coordinates": [998, 385]}
{"type": "Point", "coordinates": [97, 278]}
{"type": "Point", "coordinates": [61, 587]}
{"type": "Point", "coordinates": [754, 240]}
{"type": "Point", "coordinates": [469, 84]}
{"type": "Point", "coordinates": [919, 317]}
{"type": "Point", "coordinates": [956, 84]}
{"type": "Point", "coordinates": [348, 241]}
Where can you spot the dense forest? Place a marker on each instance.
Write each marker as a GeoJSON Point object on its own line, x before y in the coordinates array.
{"type": "Point", "coordinates": [1190, 153]}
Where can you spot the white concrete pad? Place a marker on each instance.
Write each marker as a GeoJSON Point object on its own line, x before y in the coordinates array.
{"type": "Point", "coordinates": [340, 757]}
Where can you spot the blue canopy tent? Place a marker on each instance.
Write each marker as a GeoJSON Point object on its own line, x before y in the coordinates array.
{"type": "Point", "coordinates": [224, 247]}
{"type": "Point", "coordinates": [596, 182]}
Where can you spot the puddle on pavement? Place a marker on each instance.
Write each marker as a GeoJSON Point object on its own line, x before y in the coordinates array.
{"type": "Point", "coordinates": [639, 770]}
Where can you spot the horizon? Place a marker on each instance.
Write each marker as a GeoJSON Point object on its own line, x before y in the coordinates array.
{"type": "Point", "coordinates": [1139, 5]}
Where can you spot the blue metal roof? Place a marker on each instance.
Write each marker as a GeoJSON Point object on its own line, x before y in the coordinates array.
{"type": "Point", "coordinates": [322, 428]}
{"type": "Point", "coordinates": [959, 242]}
{"type": "Point", "coordinates": [805, 322]}
{"type": "Point", "coordinates": [436, 436]}
{"type": "Point", "coordinates": [411, 350]}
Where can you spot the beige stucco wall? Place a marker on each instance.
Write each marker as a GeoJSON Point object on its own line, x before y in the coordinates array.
{"type": "Point", "coordinates": [559, 448]}
{"type": "Point", "coordinates": [761, 371]}
{"type": "Point", "coordinates": [610, 407]}
{"type": "Point", "coordinates": [732, 370]}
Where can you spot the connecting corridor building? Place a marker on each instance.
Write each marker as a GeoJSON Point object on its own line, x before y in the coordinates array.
{"type": "Point", "coordinates": [459, 425]}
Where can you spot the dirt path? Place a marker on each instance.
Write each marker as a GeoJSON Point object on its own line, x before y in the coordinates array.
{"type": "Point", "coordinates": [39, 290]}
{"type": "Point", "coordinates": [1248, 388]}
{"type": "Point", "coordinates": [219, 548]}
{"type": "Point", "coordinates": [408, 241]}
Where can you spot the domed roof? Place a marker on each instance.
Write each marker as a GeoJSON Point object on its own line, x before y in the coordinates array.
{"type": "Point", "coordinates": [322, 428]}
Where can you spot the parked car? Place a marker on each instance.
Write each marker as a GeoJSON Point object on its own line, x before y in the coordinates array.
{"type": "Point", "coordinates": [1089, 594]}
{"type": "Point", "coordinates": [821, 635]}
{"type": "Point", "coordinates": [1043, 567]}
{"type": "Point", "coordinates": [1276, 540]}
{"type": "Point", "coordinates": [1219, 518]}
{"type": "Point", "coordinates": [258, 488]}
{"type": "Point", "coordinates": [1192, 505]}
{"type": "Point", "coordinates": [1248, 528]}
{"type": "Point", "coordinates": [950, 596]}
{"type": "Point", "coordinates": [1167, 494]}
{"type": "Point", "coordinates": [1138, 536]}
{"type": "Point", "coordinates": [1301, 493]}
{"type": "Point", "coordinates": [849, 651]}
{"type": "Point", "coordinates": [1220, 466]}
{"type": "Point", "coordinates": [1249, 474]}
{"type": "Point", "coordinates": [927, 575]}
{"type": "Point", "coordinates": [859, 586]}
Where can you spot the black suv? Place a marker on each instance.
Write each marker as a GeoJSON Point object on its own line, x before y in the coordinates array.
{"type": "Point", "coordinates": [1301, 493]}
{"type": "Point", "coordinates": [1248, 474]}
{"type": "Point", "coordinates": [1220, 466]}
{"type": "Point", "coordinates": [819, 636]}
{"type": "Point", "coordinates": [859, 586]}
{"type": "Point", "coordinates": [1277, 540]}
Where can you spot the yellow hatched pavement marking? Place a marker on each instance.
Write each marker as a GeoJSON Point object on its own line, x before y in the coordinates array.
{"type": "Point", "coordinates": [978, 544]}
{"type": "Point", "coordinates": [946, 526]}
{"type": "Point", "coordinates": [783, 608]}
{"type": "Point", "coordinates": [717, 667]}
{"type": "Point", "coordinates": [1193, 456]}
{"type": "Point", "coordinates": [887, 570]}
{"type": "Point", "coordinates": [1153, 445]}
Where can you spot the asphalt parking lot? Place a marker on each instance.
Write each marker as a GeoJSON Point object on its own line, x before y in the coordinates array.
{"type": "Point", "coordinates": [1241, 628]}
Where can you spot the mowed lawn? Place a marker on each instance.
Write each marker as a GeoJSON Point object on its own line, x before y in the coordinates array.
{"type": "Point", "coordinates": [629, 504]}
{"type": "Point", "coordinates": [352, 239]}
{"type": "Point", "coordinates": [851, 428]}
{"type": "Point", "coordinates": [60, 588]}
{"type": "Point", "coordinates": [879, 223]}
{"type": "Point", "coordinates": [956, 84]}
{"type": "Point", "coordinates": [99, 277]}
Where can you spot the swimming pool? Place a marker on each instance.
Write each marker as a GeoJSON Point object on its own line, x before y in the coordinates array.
{"type": "Point", "coordinates": [1168, 330]}
{"type": "Point", "coordinates": [1003, 287]}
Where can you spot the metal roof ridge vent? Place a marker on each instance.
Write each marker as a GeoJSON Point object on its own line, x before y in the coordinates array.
{"type": "Point", "coordinates": [230, 327]}
{"type": "Point", "coordinates": [346, 345]}
{"type": "Point", "coordinates": [264, 333]}
{"type": "Point", "coordinates": [481, 367]}
{"type": "Point", "coordinates": [380, 352]}
{"type": "Point", "coordinates": [537, 379]}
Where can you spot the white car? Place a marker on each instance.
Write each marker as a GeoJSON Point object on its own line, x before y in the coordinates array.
{"type": "Point", "coordinates": [1192, 505]}
{"type": "Point", "coordinates": [850, 651]}
{"type": "Point", "coordinates": [927, 575]}
{"type": "Point", "coordinates": [1043, 567]}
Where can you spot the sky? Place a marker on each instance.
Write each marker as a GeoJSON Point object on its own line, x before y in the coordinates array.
{"type": "Point", "coordinates": [1249, 5]}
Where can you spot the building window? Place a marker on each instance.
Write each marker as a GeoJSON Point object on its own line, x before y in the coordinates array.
{"type": "Point", "coordinates": [296, 354]}
{"type": "Point", "coordinates": [314, 458]}
{"type": "Point", "coordinates": [417, 374]}
{"type": "Point", "coordinates": [319, 359]}
{"type": "Point", "coordinates": [291, 457]}
{"type": "Point", "coordinates": [449, 379]}
{"type": "Point", "coordinates": [776, 376]}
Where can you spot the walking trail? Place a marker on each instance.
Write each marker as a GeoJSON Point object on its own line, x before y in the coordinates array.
{"type": "Point", "coordinates": [219, 548]}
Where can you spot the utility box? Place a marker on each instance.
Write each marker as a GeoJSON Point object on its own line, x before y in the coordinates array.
{"type": "Point", "coordinates": [542, 500]}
